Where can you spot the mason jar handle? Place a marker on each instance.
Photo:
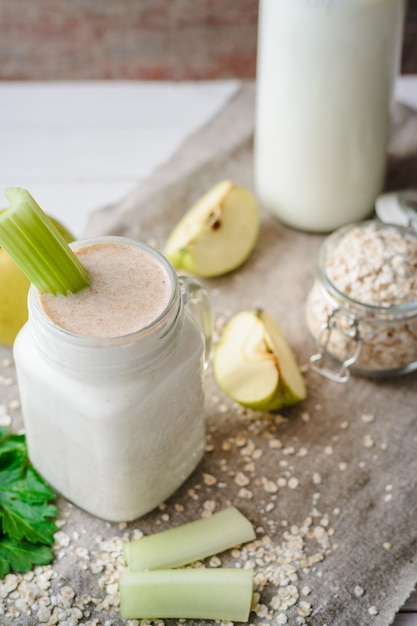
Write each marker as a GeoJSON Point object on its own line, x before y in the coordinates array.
{"type": "Point", "coordinates": [340, 374]}
{"type": "Point", "coordinates": [197, 303]}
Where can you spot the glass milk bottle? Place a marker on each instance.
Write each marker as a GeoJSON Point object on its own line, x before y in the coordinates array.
{"type": "Point", "coordinates": [116, 423]}
{"type": "Point", "coordinates": [325, 77]}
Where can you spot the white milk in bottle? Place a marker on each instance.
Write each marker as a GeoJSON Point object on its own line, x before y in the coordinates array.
{"type": "Point", "coordinates": [325, 76]}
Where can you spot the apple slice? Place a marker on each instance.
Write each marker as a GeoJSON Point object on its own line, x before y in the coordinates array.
{"type": "Point", "coordinates": [217, 234]}
{"type": "Point", "coordinates": [254, 364]}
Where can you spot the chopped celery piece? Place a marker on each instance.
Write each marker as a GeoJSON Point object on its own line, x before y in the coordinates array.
{"type": "Point", "coordinates": [220, 594]}
{"type": "Point", "coordinates": [190, 542]}
{"type": "Point", "coordinates": [31, 239]}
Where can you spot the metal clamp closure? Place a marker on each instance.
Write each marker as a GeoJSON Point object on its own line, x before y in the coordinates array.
{"type": "Point", "coordinates": [323, 362]}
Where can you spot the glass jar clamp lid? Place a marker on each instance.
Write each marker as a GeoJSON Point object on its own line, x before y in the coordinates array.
{"type": "Point", "coordinates": [362, 308]}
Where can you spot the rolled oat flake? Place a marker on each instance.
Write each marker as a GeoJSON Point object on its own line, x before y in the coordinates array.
{"type": "Point", "coordinates": [362, 308]}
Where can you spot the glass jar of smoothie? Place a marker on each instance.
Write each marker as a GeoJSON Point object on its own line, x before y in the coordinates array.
{"type": "Point", "coordinates": [325, 77]}
{"type": "Point", "coordinates": [362, 308]}
{"type": "Point", "coordinates": [111, 380]}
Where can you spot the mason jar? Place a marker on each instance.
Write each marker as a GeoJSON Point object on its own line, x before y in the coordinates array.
{"type": "Point", "coordinates": [362, 308]}
{"type": "Point", "coordinates": [117, 424]}
{"type": "Point", "coordinates": [325, 77]}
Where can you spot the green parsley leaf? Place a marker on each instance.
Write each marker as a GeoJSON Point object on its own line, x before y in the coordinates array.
{"type": "Point", "coordinates": [21, 556]}
{"type": "Point", "coordinates": [26, 524]}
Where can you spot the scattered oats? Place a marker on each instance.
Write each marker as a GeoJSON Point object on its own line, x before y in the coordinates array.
{"type": "Point", "coordinates": [328, 450]}
{"type": "Point", "coordinates": [367, 418]}
{"type": "Point", "coordinates": [270, 507]}
{"type": "Point", "coordinates": [285, 598]}
{"type": "Point", "coordinates": [245, 493]}
{"type": "Point", "coordinates": [368, 442]}
{"type": "Point", "coordinates": [283, 463]}
{"type": "Point", "coordinates": [388, 487]}
{"type": "Point", "coordinates": [316, 478]}
{"type": "Point", "coordinates": [5, 420]}
{"type": "Point", "coordinates": [302, 452]}
{"type": "Point", "coordinates": [304, 609]}
{"type": "Point", "coordinates": [281, 482]}
{"type": "Point", "coordinates": [82, 552]}
{"type": "Point", "coordinates": [388, 497]}
{"type": "Point", "coordinates": [305, 416]}
{"type": "Point", "coordinates": [226, 446]}
{"type": "Point", "coordinates": [261, 610]}
{"type": "Point", "coordinates": [209, 479]}
{"type": "Point", "coordinates": [383, 446]}
{"type": "Point", "coordinates": [293, 482]}
{"type": "Point", "coordinates": [275, 444]}
{"type": "Point", "coordinates": [288, 450]}
{"type": "Point", "coordinates": [241, 479]}
{"type": "Point", "coordinates": [373, 610]}
{"type": "Point", "coordinates": [344, 425]}
{"type": "Point", "coordinates": [306, 591]}
{"type": "Point", "coordinates": [343, 466]}
{"type": "Point", "coordinates": [269, 486]}
{"type": "Point", "coordinates": [215, 562]}
{"type": "Point", "coordinates": [223, 408]}
{"type": "Point", "coordinates": [209, 447]}
{"type": "Point", "coordinates": [336, 511]}
{"type": "Point", "coordinates": [281, 619]}
{"type": "Point", "coordinates": [137, 533]}
{"type": "Point", "coordinates": [209, 506]}
{"type": "Point", "coordinates": [387, 545]}
{"type": "Point", "coordinates": [358, 591]}
{"type": "Point", "coordinates": [44, 615]}
{"type": "Point", "coordinates": [179, 507]}
{"type": "Point", "coordinates": [240, 440]}
{"type": "Point", "coordinates": [249, 449]}
{"type": "Point", "coordinates": [62, 540]}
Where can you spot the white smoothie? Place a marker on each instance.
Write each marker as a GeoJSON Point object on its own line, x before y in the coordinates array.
{"type": "Point", "coordinates": [325, 76]}
{"type": "Point", "coordinates": [114, 423]}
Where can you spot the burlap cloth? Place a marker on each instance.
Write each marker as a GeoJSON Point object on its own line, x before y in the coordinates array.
{"type": "Point", "coordinates": [330, 484]}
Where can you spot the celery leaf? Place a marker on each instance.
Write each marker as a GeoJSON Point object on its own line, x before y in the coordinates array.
{"type": "Point", "coordinates": [26, 516]}
{"type": "Point", "coordinates": [21, 556]}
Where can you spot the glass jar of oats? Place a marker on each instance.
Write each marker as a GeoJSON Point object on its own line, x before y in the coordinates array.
{"type": "Point", "coordinates": [362, 308]}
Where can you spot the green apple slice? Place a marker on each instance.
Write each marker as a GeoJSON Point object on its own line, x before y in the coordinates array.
{"type": "Point", "coordinates": [217, 234]}
{"type": "Point", "coordinates": [254, 364]}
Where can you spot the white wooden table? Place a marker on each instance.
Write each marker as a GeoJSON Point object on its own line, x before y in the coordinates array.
{"type": "Point", "coordinates": [79, 146]}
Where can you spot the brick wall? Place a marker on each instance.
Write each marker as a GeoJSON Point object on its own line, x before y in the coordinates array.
{"type": "Point", "coordinates": [138, 39]}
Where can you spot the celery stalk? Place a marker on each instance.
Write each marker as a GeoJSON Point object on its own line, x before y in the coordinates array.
{"type": "Point", "coordinates": [220, 594]}
{"type": "Point", "coordinates": [31, 239]}
{"type": "Point", "coordinates": [189, 542]}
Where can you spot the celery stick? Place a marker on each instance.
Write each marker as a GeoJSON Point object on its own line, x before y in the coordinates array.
{"type": "Point", "coordinates": [34, 243]}
{"type": "Point", "coordinates": [189, 542]}
{"type": "Point", "coordinates": [220, 594]}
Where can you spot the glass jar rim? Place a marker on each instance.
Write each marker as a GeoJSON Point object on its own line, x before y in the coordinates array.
{"type": "Point", "coordinates": [133, 337]}
{"type": "Point", "coordinates": [404, 308]}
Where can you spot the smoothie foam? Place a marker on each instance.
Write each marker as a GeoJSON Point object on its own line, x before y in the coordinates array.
{"type": "Point", "coordinates": [128, 291]}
